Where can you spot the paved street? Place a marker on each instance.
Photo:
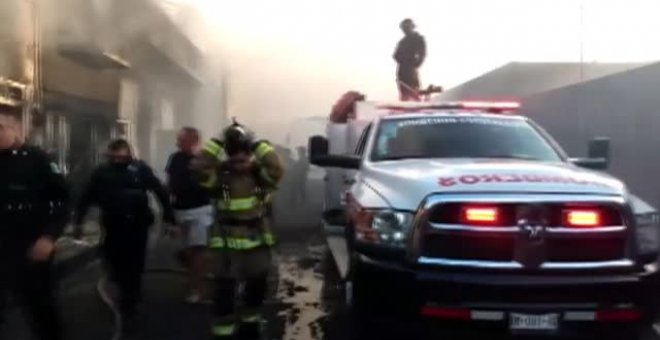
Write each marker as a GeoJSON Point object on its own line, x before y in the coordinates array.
{"type": "Point", "coordinates": [302, 307]}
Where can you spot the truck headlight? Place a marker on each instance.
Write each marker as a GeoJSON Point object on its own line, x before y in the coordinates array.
{"type": "Point", "coordinates": [385, 227]}
{"type": "Point", "coordinates": [648, 233]}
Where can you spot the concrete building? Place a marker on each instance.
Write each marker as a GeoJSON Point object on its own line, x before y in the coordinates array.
{"type": "Point", "coordinates": [624, 107]}
{"type": "Point", "coordinates": [98, 69]}
{"type": "Point", "coordinates": [518, 79]}
{"type": "Point", "coordinates": [621, 102]}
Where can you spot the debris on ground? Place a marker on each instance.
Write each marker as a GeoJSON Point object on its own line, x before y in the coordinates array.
{"type": "Point", "coordinates": [300, 289]}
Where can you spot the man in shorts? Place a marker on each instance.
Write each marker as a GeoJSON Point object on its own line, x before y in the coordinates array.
{"type": "Point", "coordinates": [193, 211]}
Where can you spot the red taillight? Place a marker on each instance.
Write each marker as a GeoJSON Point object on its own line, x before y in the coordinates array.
{"type": "Point", "coordinates": [582, 218]}
{"type": "Point", "coordinates": [479, 215]}
{"type": "Point", "coordinates": [445, 313]}
{"type": "Point", "coordinates": [618, 315]}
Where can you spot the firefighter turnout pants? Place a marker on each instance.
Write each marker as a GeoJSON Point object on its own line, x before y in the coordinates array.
{"type": "Point", "coordinates": [124, 251]}
{"type": "Point", "coordinates": [34, 286]}
{"type": "Point", "coordinates": [250, 267]}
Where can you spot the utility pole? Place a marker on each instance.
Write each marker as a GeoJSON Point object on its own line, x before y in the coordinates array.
{"type": "Point", "coordinates": [580, 93]}
{"type": "Point", "coordinates": [581, 41]}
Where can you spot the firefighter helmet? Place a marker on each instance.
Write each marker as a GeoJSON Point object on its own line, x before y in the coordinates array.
{"type": "Point", "coordinates": [237, 138]}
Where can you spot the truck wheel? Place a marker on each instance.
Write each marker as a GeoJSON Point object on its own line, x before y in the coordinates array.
{"type": "Point", "coordinates": [356, 289]}
{"type": "Point", "coordinates": [358, 303]}
{"type": "Point", "coordinates": [637, 332]}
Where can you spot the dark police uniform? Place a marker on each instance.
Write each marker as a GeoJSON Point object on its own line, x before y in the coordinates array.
{"type": "Point", "coordinates": [121, 192]}
{"type": "Point", "coordinates": [33, 204]}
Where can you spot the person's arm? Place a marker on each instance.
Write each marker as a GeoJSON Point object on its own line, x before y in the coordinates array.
{"type": "Point", "coordinates": [54, 195]}
{"type": "Point", "coordinates": [204, 165]}
{"type": "Point", "coordinates": [168, 177]}
{"type": "Point", "coordinates": [397, 54]}
{"type": "Point", "coordinates": [271, 169]}
{"type": "Point", "coordinates": [168, 169]}
{"type": "Point", "coordinates": [154, 185]}
{"type": "Point", "coordinates": [421, 51]}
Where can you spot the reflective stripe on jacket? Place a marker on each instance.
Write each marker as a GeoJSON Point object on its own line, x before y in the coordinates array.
{"type": "Point", "coordinates": [238, 204]}
{"type": "Point", "coordinates": [215, 149]}
{"type": "Point", "coordinates": [240, 243]}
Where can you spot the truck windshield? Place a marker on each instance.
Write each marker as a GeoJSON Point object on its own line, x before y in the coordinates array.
{"type": "Point", "coordinates": [461, 137]}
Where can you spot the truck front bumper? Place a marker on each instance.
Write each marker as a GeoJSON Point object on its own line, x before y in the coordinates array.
{"type": "Point", "coordinates": [490, 299]}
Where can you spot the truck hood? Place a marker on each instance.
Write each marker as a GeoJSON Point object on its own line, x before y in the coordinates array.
{"type": "Point", "coordinates": [405, 183]}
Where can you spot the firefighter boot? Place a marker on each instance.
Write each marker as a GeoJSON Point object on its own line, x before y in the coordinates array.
{"type": "Point", "coordinates": [224, 332]}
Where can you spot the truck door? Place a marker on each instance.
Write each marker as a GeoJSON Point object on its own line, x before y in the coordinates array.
{"type": "Point", "coordinates": [335, 220]}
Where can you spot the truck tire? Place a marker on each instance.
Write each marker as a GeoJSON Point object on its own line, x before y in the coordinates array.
{"type": "Point", "coordinates": [359, 303]}
{"type": "Point", "coordinates": [634, 333]}
{"type": "Point", "coordinates": [356, 286]}
{"type": "Point", "coordinates": [356, 290]}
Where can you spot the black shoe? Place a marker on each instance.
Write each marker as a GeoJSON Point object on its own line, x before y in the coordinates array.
{"type": "Point", "coordinates": [250, 331]}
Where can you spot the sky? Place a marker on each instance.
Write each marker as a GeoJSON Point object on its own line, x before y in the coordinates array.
{"type": "Point", "coordinates": [294, 58]}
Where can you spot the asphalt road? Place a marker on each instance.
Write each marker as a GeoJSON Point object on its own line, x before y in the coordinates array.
{"type": "Point", "coordinates": [305, 303]}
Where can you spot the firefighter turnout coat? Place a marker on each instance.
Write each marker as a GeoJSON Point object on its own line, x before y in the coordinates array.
{"type": "Point", "coordinates": [242, 199]}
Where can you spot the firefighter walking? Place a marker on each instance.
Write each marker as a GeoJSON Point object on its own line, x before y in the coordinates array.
{"type": "Point", "coordinates": [240, 174]}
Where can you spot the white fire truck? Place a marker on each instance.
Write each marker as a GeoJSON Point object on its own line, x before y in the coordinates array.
{"type": "Point", "coordinates": [469, 212]}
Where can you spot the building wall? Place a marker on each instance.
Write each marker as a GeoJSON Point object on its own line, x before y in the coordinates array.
{"type": "Point", "coordinates": [14, 38]}
{"type": "Point", "coordinates": [519, 79]}
{"type": "Point", "coordinates": [73, 22]}
{"type": "Point", "coordinates": [83, 103]}
{"type": "Point", "coordinates": [625, 107]}
{"type": "Point", "coordinates": [210, 106]}
{"type": "Point", "coordinates": [64, 75]}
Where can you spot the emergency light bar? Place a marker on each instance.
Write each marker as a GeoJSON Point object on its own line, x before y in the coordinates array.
{"type": "Point", "coordinates": [494, 107]}
{"type": "Point", "coordinates": [491, 105]}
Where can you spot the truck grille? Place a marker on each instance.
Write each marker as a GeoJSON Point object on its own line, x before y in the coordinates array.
{"type": "Point", "coordinates": [586, 249]}
{"type": "Point", "coordinates": [470, 247]}
{"type": "Point", "coordinates": [508, 242]}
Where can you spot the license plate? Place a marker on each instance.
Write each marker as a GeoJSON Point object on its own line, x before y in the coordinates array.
{"type": "Point", "coordinates": [527, 322]}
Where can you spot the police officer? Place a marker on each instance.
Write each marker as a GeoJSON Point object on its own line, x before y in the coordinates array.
{"type": "Point", "coordinates": [120, 188]}
{"type": "Point", "coordinates": [33, 213]}
{"type": "Point", "coordinates": [240, 174]}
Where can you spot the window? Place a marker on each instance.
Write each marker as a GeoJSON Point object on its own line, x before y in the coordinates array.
{"type": "Point", "coordinates": [461, 137]}
{"type": "Point", "coordinates": [362, 142]}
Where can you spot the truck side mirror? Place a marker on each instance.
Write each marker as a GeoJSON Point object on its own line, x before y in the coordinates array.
{"type": "Point", "coordinates": [599, 148]}
{"type": "Point", "coordinates": [319, 156]}
{"type": "Point", "coordinates": [318, 147]}
{"type": "Point", "coordinates": [598, 155]}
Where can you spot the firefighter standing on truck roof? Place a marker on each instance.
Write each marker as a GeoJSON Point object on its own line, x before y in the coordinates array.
{"type": "Point", "coordinates": [240, 174]}
{"type": "Point", "coordinates": [409, 55]}
{"type": "Point", "coordinates": [33, 213]}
